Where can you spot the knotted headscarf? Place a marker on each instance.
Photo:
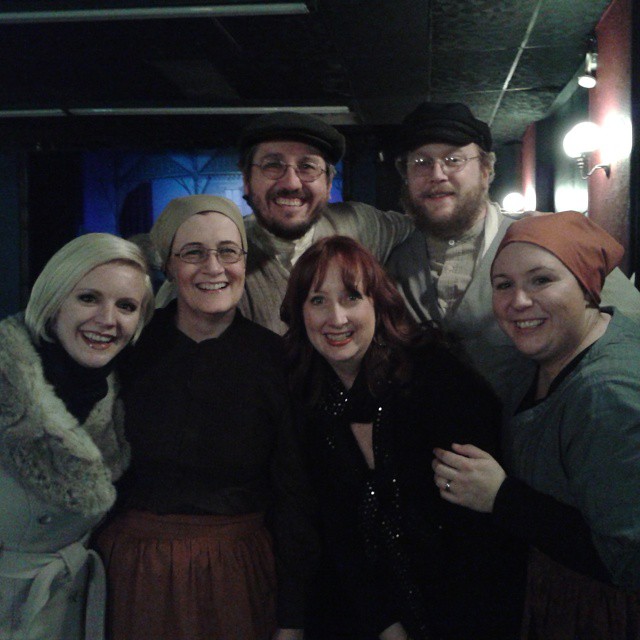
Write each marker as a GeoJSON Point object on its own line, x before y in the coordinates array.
{"type": "Point", "coordinates": [583, 247]}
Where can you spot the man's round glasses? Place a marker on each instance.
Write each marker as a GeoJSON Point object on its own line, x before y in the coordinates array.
{"type": "Point", "coordinates": [423, 165]}
{"type": "Point", "coordinates": [198, 253]}
{"type": "Point", "coordinates": [275, 169]}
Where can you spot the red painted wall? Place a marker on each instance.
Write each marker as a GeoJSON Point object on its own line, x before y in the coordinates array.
{"type": "Point", "coordinates": [609, 198]}
{"type": "Point", "coordinates": [529, 166]}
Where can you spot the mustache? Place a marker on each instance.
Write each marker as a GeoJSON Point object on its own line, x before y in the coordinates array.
{"type": "Point", "coordinates": [436, 192]}
{"type": "Point", "coordinates": [298, 193]}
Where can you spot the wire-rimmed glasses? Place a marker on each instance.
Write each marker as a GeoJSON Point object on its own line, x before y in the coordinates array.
{"type": "Point", "coordinates": [306, 170]}
{"type": "Point", "coordinates": [195, 253]}
{"type": "Point", "coordinates": [424, 165]}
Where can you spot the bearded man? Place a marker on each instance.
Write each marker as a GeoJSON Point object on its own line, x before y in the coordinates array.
{"type": "Point", "coordinates": [288, 163]}
{"type": "Point", "coordinates": [446, 160]}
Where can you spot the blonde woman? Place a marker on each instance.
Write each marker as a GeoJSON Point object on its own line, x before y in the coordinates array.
{"type": "Point", "coordinates": [61, 434]}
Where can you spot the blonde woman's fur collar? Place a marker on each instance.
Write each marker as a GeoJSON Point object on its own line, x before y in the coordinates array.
{"type": "Point", "coordinates": [68, 465]}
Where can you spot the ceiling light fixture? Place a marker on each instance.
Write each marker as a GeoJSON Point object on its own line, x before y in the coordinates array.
{"type": "Point", "coordinates": [588, 79]}
{"type": "Point", "coordinates": [155, 13]}
{"type": "Point", "coordinates": [582, 140]}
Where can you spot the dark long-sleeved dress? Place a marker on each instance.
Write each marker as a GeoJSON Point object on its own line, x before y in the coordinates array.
{"type": "Point", "coordinates": [211, 434]}
{"type": "Point", "coordinates": [394, 549]}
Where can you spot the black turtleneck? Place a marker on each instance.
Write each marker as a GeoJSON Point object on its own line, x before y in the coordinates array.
{"type": "Point", "coordinates": [77, 386]}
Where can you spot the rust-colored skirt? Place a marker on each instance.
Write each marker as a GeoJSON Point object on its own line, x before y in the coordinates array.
{"type": "Point", "coordinates": [181, 577]}
{"type": "Point", "coordinates": [564, 605]}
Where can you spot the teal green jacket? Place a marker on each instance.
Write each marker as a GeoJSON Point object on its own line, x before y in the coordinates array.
{"type": "Point", "coordinates": [581, 446]}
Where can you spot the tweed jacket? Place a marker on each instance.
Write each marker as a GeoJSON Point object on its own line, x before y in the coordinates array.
{"type": "Point", "coordinates": [267, 278]}
{"type": "Point", "coordinates": [56, 484]}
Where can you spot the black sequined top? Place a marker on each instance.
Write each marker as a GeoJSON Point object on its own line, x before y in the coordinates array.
{"type": "Point", "coordinates": [394, 550]}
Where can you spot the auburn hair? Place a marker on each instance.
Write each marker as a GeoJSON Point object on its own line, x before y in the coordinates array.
{"type": "Point", "coordinates": [395, 330]}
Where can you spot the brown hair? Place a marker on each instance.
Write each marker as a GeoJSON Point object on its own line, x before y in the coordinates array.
{"type": "Point", "coordinates": [395, 329]}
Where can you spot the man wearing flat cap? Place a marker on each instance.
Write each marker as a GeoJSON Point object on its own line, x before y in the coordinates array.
{"type": "Point", "coordinates": [444, 155]}
{"type": "Point", "coordinates": [288, 162]}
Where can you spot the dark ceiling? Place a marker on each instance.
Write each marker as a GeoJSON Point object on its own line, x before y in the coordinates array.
{"type": "Point", "coordinates": [372, 61]}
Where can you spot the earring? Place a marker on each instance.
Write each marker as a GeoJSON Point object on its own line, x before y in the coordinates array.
{"type": "Point", "coordinates": [379, 342]}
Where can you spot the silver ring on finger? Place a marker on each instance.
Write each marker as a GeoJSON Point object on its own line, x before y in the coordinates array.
{"type": "Point", "coordinates": [447, 486]}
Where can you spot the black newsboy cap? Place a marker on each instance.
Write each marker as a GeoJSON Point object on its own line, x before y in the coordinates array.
{"type": "Point", "coordinates": [290, 125]}
{"type": "Point", "coordinates": [442, 122]}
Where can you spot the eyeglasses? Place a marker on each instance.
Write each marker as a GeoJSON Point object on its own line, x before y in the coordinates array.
{"type": "Point", "coordinates": [423, 165]}
{"type": "Point", "coordinates": [197, 253]}
{"type": "Point", "coordinates": [275, 169]}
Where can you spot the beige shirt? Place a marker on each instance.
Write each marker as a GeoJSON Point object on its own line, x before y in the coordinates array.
{"type": "Point", "coordinates": [287, 252]}
{"type": "Point", "coordinates": [452, 263]}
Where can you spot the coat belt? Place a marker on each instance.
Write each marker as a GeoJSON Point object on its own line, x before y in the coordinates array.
{"type": "Point", "coordinates": [44, 568]}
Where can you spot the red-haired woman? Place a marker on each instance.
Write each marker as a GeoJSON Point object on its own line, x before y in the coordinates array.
{"type": "Point", "coordinates": [378, 394]}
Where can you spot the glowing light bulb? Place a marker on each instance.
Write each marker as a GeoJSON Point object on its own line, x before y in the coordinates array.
{"type": "Point", "coordinates": [513, 202]}
{"type": "Point", "coordinates": [585, 137]}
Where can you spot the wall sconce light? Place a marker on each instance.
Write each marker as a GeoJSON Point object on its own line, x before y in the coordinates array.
{"type": "Point", "coordinates": [513, 201]}
{"type": "Point", "coordinates": [579, 142]}
{"type": "Point", "coordinates": [588, 79]}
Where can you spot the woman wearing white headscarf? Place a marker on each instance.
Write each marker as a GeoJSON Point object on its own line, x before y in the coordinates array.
{"type": "Point", "coordinates": [210, 507]}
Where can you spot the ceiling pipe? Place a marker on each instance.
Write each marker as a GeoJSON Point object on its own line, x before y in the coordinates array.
{"type": "Point", "coordinates": [516, 60]}
{"type": "Point", "coordinates": [154, 13]}
{"type": "Point", "coordinates": [202, 111]}
{"type": "Point", "coordinates": [329, 110]}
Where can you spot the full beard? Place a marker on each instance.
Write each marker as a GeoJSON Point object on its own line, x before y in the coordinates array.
{"type": "Point", "coordinates": [283, 230]}
{"type": "Point", "coordinates": [467, 212]}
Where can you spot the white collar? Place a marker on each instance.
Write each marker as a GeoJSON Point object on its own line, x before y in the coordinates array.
{"type": "Point", "coordinates": [491, 224]}
{"type": "Point", "coordinates": [286, 251]}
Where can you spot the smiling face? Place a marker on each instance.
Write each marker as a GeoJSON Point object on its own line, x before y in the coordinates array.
{"type": "Point", "coordinates": [340, 323]}
{"type": "Point", "coordinates": [539, 304]}
{"type": "Point", "coordinates": [209, 292]}
{"type": "Point", "coordinates": [287, 207]}
{"type": "Point", "coordinates": [447, 204]}
{"type": "Point", "coordinates": [100, 315]}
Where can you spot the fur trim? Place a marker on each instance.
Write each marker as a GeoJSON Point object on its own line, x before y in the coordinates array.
{"type": "Point", "coordinates": [66, 464]}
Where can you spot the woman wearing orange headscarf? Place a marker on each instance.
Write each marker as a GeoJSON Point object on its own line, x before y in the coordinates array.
{"type": "Point", "coordinates": [571, 480]}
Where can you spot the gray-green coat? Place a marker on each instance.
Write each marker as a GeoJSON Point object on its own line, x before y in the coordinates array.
{"type": "Point", "coordinates": [56, 484]}
{"type": "Point", "coordinates": [581, 445]}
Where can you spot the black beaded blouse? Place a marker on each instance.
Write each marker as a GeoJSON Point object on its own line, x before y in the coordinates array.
{"type": "Point", "coordinates": [395, 550]}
